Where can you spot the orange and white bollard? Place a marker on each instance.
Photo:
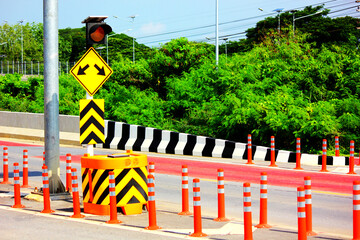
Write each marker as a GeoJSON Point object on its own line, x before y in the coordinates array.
{"type": "Point", "coordinates": [263, 202]}
{"type": "Point", "coordinates": [152, 168]}
{"type": "Point", "coordinates": [272, 152]}
{"type": "Point", "coordinates": [151, 204]}
{"type": "Point", "coordinates": [351, 159]}
{"type": "Point", "coordinates": [46, 191]}
{"type": "Point", "coordinates": [356, 210]}
{"type": "Point", "coordinates": [25, 169]}
{"type": "Point", "coordinates": [112, 194]}
{"type": "Point", "coordinates": [185, 191]}
{"type": "Point", "coordinates": [75, 193]}
{"type": "Point", "coordinates": [5, 166]}
{"type": "Point", "coordinates": [324, 151]}
{"type": "Point", "coordinates": [44, 158]}
{"type": "Point", "coordinates": [308, 206]}
{"type": "Point", "coordinates": [197, 210]}
{"type": "Point", "coordinates": [249, 150]}
{"type": "Point", "coordinates": [337, 148]}
{"type": "Point", "coordinates": [301, 214]}
{"type": "Point", "coordinates": [17, 197]}
{"type": "Point", "coordinates": [68, 172]}
{"type": "Point", "coordinates": [221, 198]}
{"type": "Point", "coordinates": [248, 235]}
{"type": "Point", "coordinates": [298, 154]}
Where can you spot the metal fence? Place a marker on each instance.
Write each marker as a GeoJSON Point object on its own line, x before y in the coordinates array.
{"type": "Point", "coordinates": [31, 67]}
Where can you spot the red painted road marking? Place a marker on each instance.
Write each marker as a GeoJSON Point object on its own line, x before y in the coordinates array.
{"type": "Point", "coordinates": [339, 183]}
{"type": "Point", "coordinates": [14, 144]}
{"type": "Point", "coordinates": [279, 177]}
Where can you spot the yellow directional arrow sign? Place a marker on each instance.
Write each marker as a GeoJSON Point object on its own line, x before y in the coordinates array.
{"type": "Point", "coordinates": [91, 71]}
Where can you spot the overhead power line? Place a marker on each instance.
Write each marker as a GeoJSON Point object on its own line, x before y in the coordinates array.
{"type": "Point", "coordinates": [331, 12]}
{"type": "Point", "coordinates": [230, 22]}
{"type": "Point", "coordinates": [207, 26]}
{"type": "Point", "coordinates": [341, 4]}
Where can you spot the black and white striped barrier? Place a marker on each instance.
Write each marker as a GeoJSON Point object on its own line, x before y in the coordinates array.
{"type": "Point", "coordinates": [124, 136]}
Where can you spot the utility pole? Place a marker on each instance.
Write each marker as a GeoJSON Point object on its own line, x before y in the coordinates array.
{"type": "Point", "coordinates": [51, 95]}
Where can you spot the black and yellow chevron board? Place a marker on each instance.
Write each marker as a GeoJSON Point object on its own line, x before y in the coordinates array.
{"type": "Point", "coordinates": [130, 171]}
{"type": "Point", "coordinates": [92, 122]}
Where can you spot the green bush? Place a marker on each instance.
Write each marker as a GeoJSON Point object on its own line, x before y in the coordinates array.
{"type": "Point", "coordinates": [282, 87]}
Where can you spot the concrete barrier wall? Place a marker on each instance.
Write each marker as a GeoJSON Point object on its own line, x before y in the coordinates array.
{"type": "Point", "coordinates": [138, 138]}
{"type": "Point", "coordinates": [36, 121]}
{"type": "Point", "coordinates": [124, 136]}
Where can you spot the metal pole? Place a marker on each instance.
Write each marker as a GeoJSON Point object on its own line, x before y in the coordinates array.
{"type": "Point", "coordinates": [279, 24]}
{"type": "Point", "coordinates": [225, 39]}
{"type": "Point", "coordinates": [133, 50]}
{"type": "Point", "coordinates": [217, 33]}
{"type": "Point", "coordinates": [51, 95]}
{"type": "Point", "coordinates": [133, 18]}
{"type": "Point", "coordinates": [293, 24]}
{"type": "Point", "coordinates": [90, 147]}
{"type": "Point", "coordinates": [226, 50]}
{"type": "Point", "coordinates": [107, 49]}
{"type": "Point", "coordinates": [22, 48]}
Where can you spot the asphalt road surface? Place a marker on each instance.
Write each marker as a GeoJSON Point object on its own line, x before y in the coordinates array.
{"type": "Point", "coordinates": [332, 206]}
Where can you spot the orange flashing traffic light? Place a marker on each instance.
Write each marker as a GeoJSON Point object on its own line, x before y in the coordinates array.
{"type": "Point", "coordinates": [96, 33]}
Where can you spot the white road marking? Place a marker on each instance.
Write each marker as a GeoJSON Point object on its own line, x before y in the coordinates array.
{"type": "Point", "coordinates": [175, 233]}
{"type": "Point", "coordinates": [229, 228]}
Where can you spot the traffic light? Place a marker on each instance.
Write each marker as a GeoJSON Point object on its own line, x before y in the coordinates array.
{"type": "Point", "coordinates": [96, 32]}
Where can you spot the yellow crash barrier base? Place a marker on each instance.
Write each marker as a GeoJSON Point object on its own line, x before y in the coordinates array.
{"type": "Point", "coordinates": [132, 209]}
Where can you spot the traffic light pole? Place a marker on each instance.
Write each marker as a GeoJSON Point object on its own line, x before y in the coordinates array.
{"type": "Point", "coordinates": [90, 147]}
{"type": "Point", "coordinates": [51, 95]}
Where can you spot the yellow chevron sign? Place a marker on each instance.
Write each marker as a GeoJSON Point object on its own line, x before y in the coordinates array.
{"type": "Point", "coordinates": [92, 122]}
{"type": "Point", "coordinates": [131, 186]}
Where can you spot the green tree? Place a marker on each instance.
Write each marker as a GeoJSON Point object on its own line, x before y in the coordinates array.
{"type": "Point", "coordinates": [32, 41]}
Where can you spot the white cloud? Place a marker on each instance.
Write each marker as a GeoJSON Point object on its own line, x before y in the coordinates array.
{"type": "Point", "coordinates": [152, 28]}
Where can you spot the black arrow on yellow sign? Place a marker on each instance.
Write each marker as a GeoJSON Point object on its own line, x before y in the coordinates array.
{"type": "Point", "coordinates": [82, 70]}
{"type": "Point", "coordinates": [101, 70]}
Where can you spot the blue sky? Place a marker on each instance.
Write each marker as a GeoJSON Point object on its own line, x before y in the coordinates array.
{"type": "Point", "coordinates": [159, 17]}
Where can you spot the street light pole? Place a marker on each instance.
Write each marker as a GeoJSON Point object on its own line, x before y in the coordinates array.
{"type": "Point", "coordinates": [225, 39]}
{"type": "Point", "coordinates": [217, 33]}
{"type": "Point", "coordinates": [278, 10]}
{"type": "Point", "coordinates": [133, 18]}
{"type": "Point", "coordinates": [51, 95]}
{"type": "Point", "coordinates": [22, 47]}
{"type": "Point", "coordinates": [107, 45]}
{"type": "Point", "coordinates": [294, 19]}
{"type": "Point", "coordinates": [107, 49]}
{"type": "Point", "coordinates": [293, 13]}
